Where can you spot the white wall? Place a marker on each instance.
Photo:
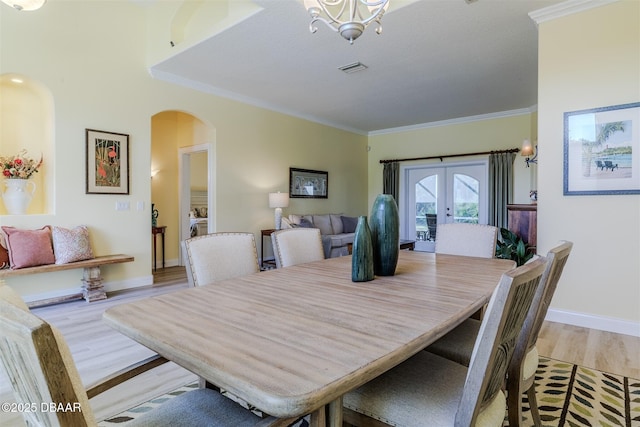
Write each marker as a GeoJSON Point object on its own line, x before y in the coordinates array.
{"type": "Point", "coordinates": [586, 60]}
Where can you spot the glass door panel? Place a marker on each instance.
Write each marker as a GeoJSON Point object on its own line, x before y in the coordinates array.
{"type": "Point", "coordinates": [435, 195]}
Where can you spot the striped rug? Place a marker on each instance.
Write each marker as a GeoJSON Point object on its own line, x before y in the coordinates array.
{"type": "Point", "coordinates": [568, 396]}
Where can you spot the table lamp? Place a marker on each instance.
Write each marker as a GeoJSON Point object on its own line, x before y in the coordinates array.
{"type": "Point", "coordinates": [278, 201]}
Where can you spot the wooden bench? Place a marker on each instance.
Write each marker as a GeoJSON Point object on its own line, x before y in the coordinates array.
{"type": "Point", "coordinates": [92, 288]}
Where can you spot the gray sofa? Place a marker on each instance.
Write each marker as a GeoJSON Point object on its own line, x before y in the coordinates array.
{"type": "Point", "coordinates": [337, 230]}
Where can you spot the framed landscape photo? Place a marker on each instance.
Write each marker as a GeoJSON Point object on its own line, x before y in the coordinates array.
{"type": "Point", "coordinates": [602, 150]}
{"type": "Point", "coordinates": [307, 183]}
{"type": "Point", "coordinates": [107, 162]}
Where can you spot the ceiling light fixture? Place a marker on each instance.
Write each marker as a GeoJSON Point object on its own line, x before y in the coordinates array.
{"type": "Point", "coordinates": [25, 4]}
{"type": "Point", "coordinates": [347, 17]}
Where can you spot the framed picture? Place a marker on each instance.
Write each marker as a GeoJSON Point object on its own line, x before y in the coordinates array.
{"type": "Point", "coordinates": [107, 162]}
{"type": "Point", "coordinates": [602, 150]}
{"type": "Point", "coordinates": [306, 183]}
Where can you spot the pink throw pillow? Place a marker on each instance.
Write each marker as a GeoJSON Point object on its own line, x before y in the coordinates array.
{"type": "Point", "coordinates": [29, 248]}
{"type": "Point", "coordinates": [71, 245]}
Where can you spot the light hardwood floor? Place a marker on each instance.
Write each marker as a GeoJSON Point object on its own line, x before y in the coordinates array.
{"type": "Point", "coordinates": [98, 350]}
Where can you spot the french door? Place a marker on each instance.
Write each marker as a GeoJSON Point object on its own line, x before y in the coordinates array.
{"type": "Point", "coordinates": [434, 195]}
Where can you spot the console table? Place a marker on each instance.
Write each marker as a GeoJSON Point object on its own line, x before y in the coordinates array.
{"type": "Point", "coordinates": [523, 221]}
{"type": "Point", "coordinates": [154, 232]}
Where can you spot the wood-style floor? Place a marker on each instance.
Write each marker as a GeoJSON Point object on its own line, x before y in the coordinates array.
{"type": "Point", "coordinates": [99, 350]}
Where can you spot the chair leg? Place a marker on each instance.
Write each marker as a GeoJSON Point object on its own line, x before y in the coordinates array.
{"type": "Point", "coordinates": [533, 404]}
{"type": "Point", "coordinates": [514, 406]}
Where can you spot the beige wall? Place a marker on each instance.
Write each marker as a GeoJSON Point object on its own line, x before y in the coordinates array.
{"type": "Point", "coordinates": [587, 60]}
{"type": "Point", "coordinates": [98, 79]}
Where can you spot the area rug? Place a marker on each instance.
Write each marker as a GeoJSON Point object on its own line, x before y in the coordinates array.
{"type": "Point", "coordinates": [568, 396]}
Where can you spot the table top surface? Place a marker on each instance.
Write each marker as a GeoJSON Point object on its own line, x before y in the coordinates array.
{"type": "Point", "coordinates": [291, 340]}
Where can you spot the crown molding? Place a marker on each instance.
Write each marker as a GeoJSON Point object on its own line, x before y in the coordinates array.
{"type": "Point", "coordinates": [565, 8]}
{"type": "Point", "coordinates": [200, 87]}
{"type": "Point", "coordinates": [457, 121]}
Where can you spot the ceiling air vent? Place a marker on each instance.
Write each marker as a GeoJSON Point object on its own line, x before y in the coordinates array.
{"type": "Point", "coordinates": [353, 68]}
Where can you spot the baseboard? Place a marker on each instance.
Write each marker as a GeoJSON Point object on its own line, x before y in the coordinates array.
{"type": "Point", "coordinates": [68, 294]}
{"type": "Point", "coordinates": [601, 323]}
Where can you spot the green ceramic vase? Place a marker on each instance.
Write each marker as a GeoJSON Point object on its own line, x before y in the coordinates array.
{"type": "Point", "coordinates": [362, 253]}
{"type": "Point", "coordinates": [385, 234]}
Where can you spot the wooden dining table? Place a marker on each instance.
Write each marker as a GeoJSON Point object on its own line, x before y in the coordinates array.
{"type": "Point", "coordinates": [293, 341]}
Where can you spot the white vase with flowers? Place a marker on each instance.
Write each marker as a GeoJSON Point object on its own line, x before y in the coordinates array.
{"type": "Point", "coordinates": [18, 189]}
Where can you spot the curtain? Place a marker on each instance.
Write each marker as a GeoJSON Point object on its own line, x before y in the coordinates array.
{"type": "Point", "coordinates": [500, 187]}
{"type": "Point", "coordinates": [391, 179]}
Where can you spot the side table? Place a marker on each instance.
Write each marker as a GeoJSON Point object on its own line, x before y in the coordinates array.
{"type": "Point", "coordinates": [154, 232]}
{"type": "Point", "coordinates": [265, 233]}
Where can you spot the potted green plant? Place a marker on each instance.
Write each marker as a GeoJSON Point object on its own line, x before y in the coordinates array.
{"type": "Point", "coordinates": [511, 246]}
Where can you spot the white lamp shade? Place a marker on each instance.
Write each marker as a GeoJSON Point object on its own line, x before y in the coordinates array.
{"type": "Point", "coordinates": [278, 200]}
{"type": "Point", "coordinates": [527, 148]}
{"type": "Point", "coordinates": [25, 4]}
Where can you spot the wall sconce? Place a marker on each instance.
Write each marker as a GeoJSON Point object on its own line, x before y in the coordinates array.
{"type": "Point", "coordinates": [278, 201]}
{"type": "Point", "coordinates": [26, 5]}
{"type": "Point", "coordinates": [528, 150]}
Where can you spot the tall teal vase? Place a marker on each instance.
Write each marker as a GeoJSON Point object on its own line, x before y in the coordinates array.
{"type": "Point", "coordinates": [362, 253]}
{"type": "Point", "coordinates": [385, 234]}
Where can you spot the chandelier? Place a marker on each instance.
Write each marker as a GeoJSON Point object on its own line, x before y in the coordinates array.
{"type": "Point", "coordinates": [348, 17]}
{"type": "Point", "coordinates": [25, 4]}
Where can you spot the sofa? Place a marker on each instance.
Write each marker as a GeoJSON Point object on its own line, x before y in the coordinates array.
{"type": "Point", "coordinates": [337, 230]}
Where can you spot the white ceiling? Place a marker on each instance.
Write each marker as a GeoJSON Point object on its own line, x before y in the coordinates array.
{"type": "Point", "coordinates": [435, 60]}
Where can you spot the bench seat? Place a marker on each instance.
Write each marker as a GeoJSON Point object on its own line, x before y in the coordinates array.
{"type": "Point", "coordinates": [92, 288]}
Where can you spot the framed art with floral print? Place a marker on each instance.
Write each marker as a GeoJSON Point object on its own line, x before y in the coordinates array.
{"type": "Point", "coordinates": [602, 150]}
{"type": "Point", "coordinates": [107, 162]}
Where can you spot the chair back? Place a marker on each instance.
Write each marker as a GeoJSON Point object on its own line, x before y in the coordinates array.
{"type": "Point", "coordinates": [497, 338]}
{"type": "Point", "coordinates": [297, 246]}
{"type": "Point", "coordinates": [219, 256]}
{"type": "Point", "coordinates": [476, 240]}
{"type": "Point", "coordinates": [40, 367]}
{"type": "Point", "coordinates": [557, 258]}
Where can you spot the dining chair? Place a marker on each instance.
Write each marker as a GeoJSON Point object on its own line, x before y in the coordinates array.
{"type": "Point", "coordinates": [43, 375]}
{"type": "Point", "coordinates": [428, 389]}
{"type": "Point", "coordinates": [297, 246]}
{"type": "Point", "coordinates": [458, 344]}
{"type": "Point", "coordinates": [467, 239]}
{"type": "Point", "coordinates": [219, 256]}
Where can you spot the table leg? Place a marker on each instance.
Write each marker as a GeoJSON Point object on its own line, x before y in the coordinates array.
{"type": "Point", "coordinates": [318, 418]}
{"type": "Point", "coordinates": [335, 413]}
{"type": "Point", "coordinates": [155, 265]}
{"type": "Point", "coordinates": [163, 250]}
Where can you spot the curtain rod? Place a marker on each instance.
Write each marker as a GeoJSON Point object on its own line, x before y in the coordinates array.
{"type": "Point", "coordinates": [511, 150]}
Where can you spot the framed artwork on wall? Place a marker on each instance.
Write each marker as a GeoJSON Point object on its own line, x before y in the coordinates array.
{"type": "Point", "coordinates": [602, 150]}
{"type": "Point", "coordinates": [107, 162]}
{"type": "Point", "coordinates": [307, 183]}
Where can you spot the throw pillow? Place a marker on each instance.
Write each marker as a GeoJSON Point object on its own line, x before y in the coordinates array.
{"type": "Point", "coordinates": [349, 224]}
{"type": "Point", "coordinates": [29, 248]}
{"type": "Point", "coordinates": [323, 222]}
{"type": "Point", "coordinates": [4, 253]}
{"type": "Point", "coordinates": [71, 245]}
{"type": "Point", "coordinates": [305, 223]}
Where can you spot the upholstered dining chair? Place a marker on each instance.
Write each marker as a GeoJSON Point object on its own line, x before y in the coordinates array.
{"type": "Point", "coordinates": [42, 372]}
{"type": "Point", "coordinates": [458, 344]}
{"type": "Point", "coordinates": [476, 240]}
{"type": "Point", "coordinates": [219, 256]}
{"type": "Point", "coordinates": [293, 246]}
{"type": "Point", "coordinates": [429, 390]}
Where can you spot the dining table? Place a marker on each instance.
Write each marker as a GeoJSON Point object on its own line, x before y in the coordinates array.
{"type": "Point", "coordinates": [292, 341]}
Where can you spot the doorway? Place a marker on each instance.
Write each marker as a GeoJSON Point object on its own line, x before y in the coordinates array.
{"type": "Point", "coordinates": [196, 195]}
{"type": "Point", "coordinates": [440, 194]}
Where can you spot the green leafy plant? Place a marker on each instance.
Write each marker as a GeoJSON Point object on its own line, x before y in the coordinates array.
{"type": "Point", "coordinates": [511, 246]}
